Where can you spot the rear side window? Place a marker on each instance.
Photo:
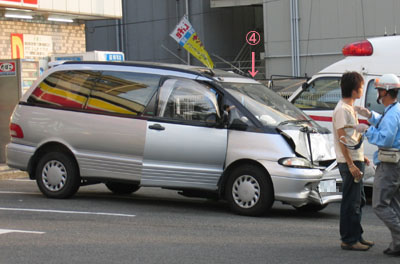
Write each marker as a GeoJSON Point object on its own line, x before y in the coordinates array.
{"type": "Point", "coordinates": [113, 92]}
{"type": "Point", "coordinates": [67, 89]}
{"type": "Point", "coordinates": [321, 94]}
{"type": "Point", "coordinates": [123, 92]}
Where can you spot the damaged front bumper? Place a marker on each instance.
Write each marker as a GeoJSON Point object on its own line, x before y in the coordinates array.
{"type": "Point", "coordinates": [328, 189]}
{"type": "Point", "coordinates": [305, 186]}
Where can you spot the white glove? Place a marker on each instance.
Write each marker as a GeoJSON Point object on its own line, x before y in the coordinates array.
{"type": "Point", "coordinates": [360, 128]}
{"type": "Point", "coordinates": [362, 111]}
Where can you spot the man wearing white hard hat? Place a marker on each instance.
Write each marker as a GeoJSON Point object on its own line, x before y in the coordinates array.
{"type": "Point", "coordinates": [385, 133]}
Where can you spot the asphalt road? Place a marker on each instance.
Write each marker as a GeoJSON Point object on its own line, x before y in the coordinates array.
{"type": "Point", "coordinates": [159, 226]}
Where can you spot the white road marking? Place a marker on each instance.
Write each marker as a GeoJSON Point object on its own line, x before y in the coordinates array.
{"type": "Point", "coordinates": [63, 212]}
{"type": "Point", "coordinates": [5, 231]}
{"type": "Point", "coordinates": [21, 180]}
{"type": "Point", "coordinates": [9, 192]}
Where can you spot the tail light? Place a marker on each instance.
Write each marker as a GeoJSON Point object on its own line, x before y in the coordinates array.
{"type": "Point", "coordinates": [16, 131]}
{"type": "Point", "coordinates": [362, 48]}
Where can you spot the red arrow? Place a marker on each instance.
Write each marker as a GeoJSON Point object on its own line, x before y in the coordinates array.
{"type": "Point", "coordinates": [252, 72]}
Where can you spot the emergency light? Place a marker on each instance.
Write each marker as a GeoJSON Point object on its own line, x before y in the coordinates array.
{"type": "Point", "coordinates": [361, 48]}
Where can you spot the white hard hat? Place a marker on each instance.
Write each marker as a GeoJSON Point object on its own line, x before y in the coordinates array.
{"type": "Point", "coordinates": [387, 81]}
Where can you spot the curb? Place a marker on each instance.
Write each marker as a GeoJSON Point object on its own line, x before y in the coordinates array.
{"type": "Point", "coordinates": [13, 175]}
{"type": "Point", "coordinates": [7, 173]}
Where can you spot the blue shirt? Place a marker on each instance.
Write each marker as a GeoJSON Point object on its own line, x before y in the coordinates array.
{"type": "Point", "coordinates": [387, 135]}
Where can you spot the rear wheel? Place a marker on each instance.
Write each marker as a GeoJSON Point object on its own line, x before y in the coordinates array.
{"type": "Point", "coordinates": [249, 191]}
{"type": "Point", "coordinates": [122, 188]}
{"type": "Point", "coordinates": [57, 175]}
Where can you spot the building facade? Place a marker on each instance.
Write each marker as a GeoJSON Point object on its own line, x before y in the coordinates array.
{"type": "Point", "coordinates": [299, 37]}
{"type": "Point", "coordinates": [31, 31]}
{"type": "Point", "coordinates": [143, 32]}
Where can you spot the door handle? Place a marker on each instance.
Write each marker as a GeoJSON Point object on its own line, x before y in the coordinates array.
{"type": "Point", "coordinates": [157, 127]}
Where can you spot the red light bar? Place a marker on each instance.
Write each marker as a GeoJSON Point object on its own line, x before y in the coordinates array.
{"type": "Point", "coordinates": [361, 48]}
{"type": "Point", "coordinates": [16, 131]}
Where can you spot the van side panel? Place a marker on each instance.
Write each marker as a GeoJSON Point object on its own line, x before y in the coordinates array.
{"type": "Point", "coordinates": [256, 146]}
{"type": "Point", "coordinates": [104, 146]}
{"type": "Point", "coordinates": [184, 156]}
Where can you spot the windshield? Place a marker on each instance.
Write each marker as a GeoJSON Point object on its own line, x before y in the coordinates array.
{"type": "Point", "coordinates": [268, 107]}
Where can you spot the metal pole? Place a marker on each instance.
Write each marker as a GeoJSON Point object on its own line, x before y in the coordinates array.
{"type": "Point", "coordinates": [187, 13]}
{"type": "Point", "coordinates": [292, 38]}
{"type": "Point", "coordinates": [297, 37]}
{"type": "Point", "coordinates": [265, 35]}
{"type": "Point", "coordinates": [173, 54]}
{"type": "Point", "coordinates": [117, 35]}
{"type": "Point", "coordinates": [123, 30]}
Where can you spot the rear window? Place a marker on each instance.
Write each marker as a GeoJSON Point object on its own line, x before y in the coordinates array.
{"type": "Point", "coordinates": [113, 92]}
{"type": "Point", "coordinates": [67, 89]}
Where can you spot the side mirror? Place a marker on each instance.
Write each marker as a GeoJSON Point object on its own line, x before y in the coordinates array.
{"type": "Point", "coordinates": [238, 125]}
{"type": "Point", "coordinates": [304, 86]}
{"type": "Point", "coordinates": [270, 83]}
{"type": "Point", "coordinates": [224, 120]}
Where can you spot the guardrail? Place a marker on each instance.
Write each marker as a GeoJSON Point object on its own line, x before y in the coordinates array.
{"type": "Point", "coordinates": [244, 66]}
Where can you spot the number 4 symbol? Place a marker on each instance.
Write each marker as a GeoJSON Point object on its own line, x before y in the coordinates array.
{"type": "Point", "coordinates": [253, 38]}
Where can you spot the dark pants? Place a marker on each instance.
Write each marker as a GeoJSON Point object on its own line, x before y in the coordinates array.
{"type": "Point", "coordinates": [386, 199]}
{"type": "Point", "coordinates": [353, 201]}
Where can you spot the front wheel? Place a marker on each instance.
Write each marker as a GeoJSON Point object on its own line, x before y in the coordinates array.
{"type": "Point", "coordinates": [311, 207]}
{"type": "Point", "coordinates": [57, 175]}
{"type": "Point", "coordinates": [249, 191]}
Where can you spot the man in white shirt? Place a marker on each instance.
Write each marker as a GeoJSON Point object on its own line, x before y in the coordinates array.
{"type": "Point", "coordinates": [351, 163]}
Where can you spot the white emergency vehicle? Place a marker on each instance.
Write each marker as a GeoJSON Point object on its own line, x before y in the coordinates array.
{"type": "Point", "coordinates": [372, 58]}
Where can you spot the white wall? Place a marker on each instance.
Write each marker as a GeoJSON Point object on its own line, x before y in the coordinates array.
{"type": "Point", "coordinates": [325, 26]}
{"type": "Point", "coordinates": [101, 8]}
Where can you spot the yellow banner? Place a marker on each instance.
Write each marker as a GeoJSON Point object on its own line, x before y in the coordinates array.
{"type": "Point", "coordinates": [185, 35]}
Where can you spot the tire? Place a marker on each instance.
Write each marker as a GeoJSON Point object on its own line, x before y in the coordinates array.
{"type": "Point", "coordinates": [249, 191]}
{"type": "Point", "coordinates": [311, 208]}
{"type": "Point", "coordinates": [57, 175]}
{"type": "Point", "coordinates": [122, 188]}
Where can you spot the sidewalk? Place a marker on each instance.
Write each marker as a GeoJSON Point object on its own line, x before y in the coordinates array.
{"type": "Point", "coordinates": [9, 173]}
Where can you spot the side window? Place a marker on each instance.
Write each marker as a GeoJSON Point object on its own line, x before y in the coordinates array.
{"type": "Point", "coordinates": [68, 89]}
{"type": "Point", "coordinates": [321, 94]}
{"type": "Point", "coordinates": [370, 98]}
{"type": "Point", "coordinates": [188, 100]}
{"type": "Point", "coordinates": [123, 92]}
{"type": "Point", "coordinates": [232, 115]}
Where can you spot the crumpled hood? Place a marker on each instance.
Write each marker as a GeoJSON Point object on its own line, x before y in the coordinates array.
{"type": "Point", "coordinates": [321, 144]}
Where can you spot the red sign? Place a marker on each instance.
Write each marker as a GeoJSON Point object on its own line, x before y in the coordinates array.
{"type": "Point", "coordinates": [31, 2]}
{"type": "Point", "coordinates": [7, 68]}
{"type": "Point", "coordinates": [17, 46]}
{"type": "Point", "coordinates": [17, 3]}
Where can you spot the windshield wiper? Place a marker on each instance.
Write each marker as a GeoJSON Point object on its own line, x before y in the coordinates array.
{"type": "Point", "coordinates": [296, 122]}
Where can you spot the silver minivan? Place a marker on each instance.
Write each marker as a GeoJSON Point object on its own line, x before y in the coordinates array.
{"type": "Point", "coordinates": [205, 133]}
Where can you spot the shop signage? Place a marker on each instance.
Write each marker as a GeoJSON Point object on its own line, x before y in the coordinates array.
{"type": "Point", "coordinates": [17, 46]}
{"type": "Point", "coordinates": [37, 46]}
{"type": "Point", "coordinates": [114, 57]}
{"type": "Point", "coordinates": [71, 58]}
{"type": "Point", "coordinates": [19, 3]}
{"type": "Point", "coordinates": [30, 46]}
{"type": "Point", "coordinates": [187, 37]}
{"type": "Point", "coordinates": [7, 68]}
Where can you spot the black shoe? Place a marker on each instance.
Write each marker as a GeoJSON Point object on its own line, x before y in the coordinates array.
{"type": "Point", "coordinates": [390, 252]}
{"type": "Point", "coordinates": [367, 242]}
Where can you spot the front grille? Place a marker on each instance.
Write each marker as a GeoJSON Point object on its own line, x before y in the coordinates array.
{"type": "Point", "coordinates": [325, 163]}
